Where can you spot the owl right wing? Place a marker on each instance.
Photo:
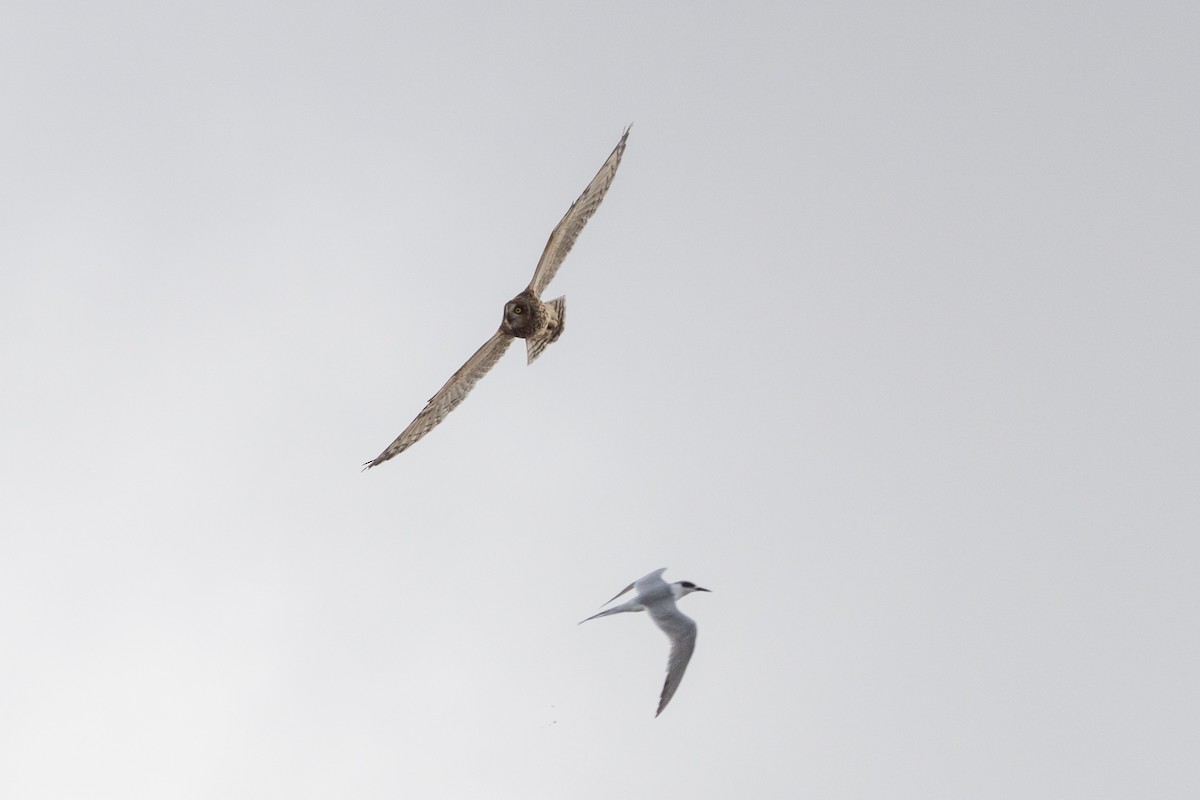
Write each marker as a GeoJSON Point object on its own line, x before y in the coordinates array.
{"type": "Point", "coordinates": [448, 397]}
{"type": "Point", "coordinates": [563, 237]}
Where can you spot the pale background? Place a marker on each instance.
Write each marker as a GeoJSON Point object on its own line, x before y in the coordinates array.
{"type": "Point", "coordinates": [887, 333]}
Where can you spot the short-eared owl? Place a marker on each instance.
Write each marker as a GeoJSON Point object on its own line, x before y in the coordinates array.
{"type": "Point", "coordinates": [526, 316]}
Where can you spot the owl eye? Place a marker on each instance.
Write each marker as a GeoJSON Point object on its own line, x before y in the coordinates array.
{"type": "Point", "coordinates": [518, 310]}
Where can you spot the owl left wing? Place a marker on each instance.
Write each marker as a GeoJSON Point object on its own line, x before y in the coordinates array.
{"type": "Point", "coordinates": [563, 237]}
{"type": "Point", "coordinates": [448, 397]}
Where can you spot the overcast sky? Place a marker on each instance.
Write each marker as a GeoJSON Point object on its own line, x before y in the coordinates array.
{"type": "Point", "coordinates": [887, 333]}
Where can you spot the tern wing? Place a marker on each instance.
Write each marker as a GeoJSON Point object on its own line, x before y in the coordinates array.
{"type": "Point", "coordinates": [563, 237]}
{"type": "Point", "coordinates": [681, 630]}
{"type": "Point", "coordinates": [651, 584]}
{"type": "Point", "coordinates": [643, 583]}
{"type": "Point", "coordinates": [448, 397]}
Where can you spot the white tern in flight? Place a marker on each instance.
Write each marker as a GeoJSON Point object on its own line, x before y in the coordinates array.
{"type": "Point", "coordinates": [658, 597]}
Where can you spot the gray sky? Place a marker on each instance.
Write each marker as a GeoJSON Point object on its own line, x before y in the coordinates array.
{"type": "Point", "coordinates": [887, 333]}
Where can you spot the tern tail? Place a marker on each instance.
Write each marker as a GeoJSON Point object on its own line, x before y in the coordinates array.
{"type": "Point", "coordinates": [631, 606]}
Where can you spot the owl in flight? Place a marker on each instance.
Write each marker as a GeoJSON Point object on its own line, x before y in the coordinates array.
{"type": "Point", "coordinates": [526, 316]}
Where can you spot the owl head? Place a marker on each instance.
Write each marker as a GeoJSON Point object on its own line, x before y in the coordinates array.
{"type": "Point", "coordinates": [524, 316]}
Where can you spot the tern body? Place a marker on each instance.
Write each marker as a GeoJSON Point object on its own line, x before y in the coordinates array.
{"type": "Point", "coordinates": [657, 597]}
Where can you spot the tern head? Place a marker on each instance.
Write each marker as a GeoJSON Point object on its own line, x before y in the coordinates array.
{"type": "Point", "coordinates": [682, 588]}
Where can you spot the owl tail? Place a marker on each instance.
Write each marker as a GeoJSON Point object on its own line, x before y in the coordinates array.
{"type": "Point", "coordinates": [558, 320]}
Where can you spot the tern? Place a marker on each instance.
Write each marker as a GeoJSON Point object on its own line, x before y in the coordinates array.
{"type": "Point", "coordinates": [658, 597]}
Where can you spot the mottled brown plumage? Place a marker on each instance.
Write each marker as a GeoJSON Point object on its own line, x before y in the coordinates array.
{"type": "Point", "coordinates": [526, 316]}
